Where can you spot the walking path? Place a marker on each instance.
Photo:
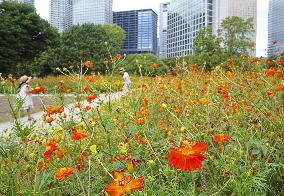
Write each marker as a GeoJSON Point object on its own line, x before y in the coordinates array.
{"type": "Point", "coordinates": [7, 126]}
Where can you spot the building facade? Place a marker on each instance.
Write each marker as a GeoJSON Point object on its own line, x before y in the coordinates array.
{"type": "Point", "coordinates": [275, 27]}
{"type": "Point", "coordinates": [140, 28]}
{"type": "Point", "coordinates": [60, 14]}
{"type": "Point", "coordinates": [92, 11]}
{"type": "Point", "coordinates": [163, 28]}
{"type": "Point", "coordinates": [242, 8]}
{"type": "Point", "coordinates": [185, 19]}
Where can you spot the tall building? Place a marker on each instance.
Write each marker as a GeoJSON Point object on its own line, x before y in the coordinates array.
{"type": "Point", "coordinates": [163, 28]}
{"type": "Point", "coordinates": [275, 27]}
{"type": "Point", "coordinates": [140, 28]}
{"type": "Point", "coordinates": [242, 8]}
{"type": "Point", "coordinates": [185, 19]}
{"type": "Point", "coordinates": [92, 11]}
{"type": "Point", "coordinates": [60, 14]}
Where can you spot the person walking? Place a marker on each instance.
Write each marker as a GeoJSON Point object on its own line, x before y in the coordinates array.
{"type": "Point", "coordinates": [127, 81]}
{"type": "Point", "coordinates": [26, 96]}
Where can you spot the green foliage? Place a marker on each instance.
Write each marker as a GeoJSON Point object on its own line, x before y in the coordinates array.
{"type": "Point", "coordinates": [236, 34]}
{"type": "Point", "coordinates": [86, 42]}
{"type": "Point", "coordinates": [133, 62]}
{"type": "Point", "coordinates": [23, 36]}
{"type": "Point", "coordinates": [207, 49]}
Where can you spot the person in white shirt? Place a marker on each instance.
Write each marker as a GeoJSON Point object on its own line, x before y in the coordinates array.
{"type": "Point", "coordinates": [26, 96]}
{"type": "Point", "coordinates": [127, 81]}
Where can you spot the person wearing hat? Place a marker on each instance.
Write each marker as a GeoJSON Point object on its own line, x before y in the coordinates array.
{"type": "Point", "coordinates": [25, 95]}
{"type": "Point", "coordinates": [127, 81]}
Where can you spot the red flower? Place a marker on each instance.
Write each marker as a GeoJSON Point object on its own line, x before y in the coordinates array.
{"type": "Point", "coordinates": [187, 156]}
{"type": "Point", "coordinates": [91, 97]}
{"type": "Point", "coordinates": [270, 63]}
{"type": "Point", "coordinates": [62, 173]}
{"type": "Point", "coordinates": [50, 148]}
{"type": "Point", "coordinates": [122, 185]}
{"type": "Point", "coordinates": [221, 138]}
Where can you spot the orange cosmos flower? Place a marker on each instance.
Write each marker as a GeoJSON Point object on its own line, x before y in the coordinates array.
{"type": "Point", "coordinates": [39, 89]}
{"type": "Point", "coordinates": [88, 64]}
{"type": "Point", "coordinates": [144, 102]}
{"type": "Point", "coordinates": [41, 165]}
{"type": "Point", "coordinates": [249, 108]}
{"type": "Point", "coordinates": [48, 119]}
{"type": "Point", "coordinates": [270, 72]}
{"type": "Point", "coordinates": [90, 78]}
{"type": "Point", "coordinates": [154, 66]}
{"type": "Point", "coordinates": [270, 94]}
{"type": "Point", "coordinates": [91, 97]}
{"type": "Point", "coordinates": [87, 108]}
{"type": "Point", "coordinates": [86, 89]}
{"type": "Point", "coordinates": [78, 135]}
{"type": "Point", "coordinates": [54, 110]}
{"type": "Point", "coordinates": [62, 173]}
{"type": "Point", "coordinates": [118, 56]}
{"type": "Point", "coordinates": [221, 138]}
{"type": "Point", "coordinates": [279, 88]}
{"type": "Point", "coordinates": [60, 153]}
{"type": "Point", "coordinates": [122, 185]}
{"type": "Point", "coordinates": [140, 121]}
{"type": "Point", "coordinates": [187, 156]}
{"type": "Point", "coordinates": [140, 140]}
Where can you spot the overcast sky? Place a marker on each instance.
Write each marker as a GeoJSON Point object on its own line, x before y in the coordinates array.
{"type": "Point", "coordinates": [42, 7]}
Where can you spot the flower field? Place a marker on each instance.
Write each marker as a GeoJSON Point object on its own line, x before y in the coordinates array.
{"type": "Point", "coordinates": [191, 133]}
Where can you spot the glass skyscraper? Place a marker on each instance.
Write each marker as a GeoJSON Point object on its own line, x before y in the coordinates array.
{"type": "Point", "coordinates": [140, 28]}
{"type": "Point", "coordinates": [163, 28]}
{"type": "Point", "coordinates": [60, 14]}
{"type": "Point", "coordinates": [275, 27]}
{"type": "Point", "coordinates": [185, 19]}
{"type": "Point", "coordinates": [92, 11]}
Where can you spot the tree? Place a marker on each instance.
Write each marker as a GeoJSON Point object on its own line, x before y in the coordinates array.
{"type": "Point", "coordinates": [236, 35]}
{"type": "Point", "coordinates": [86, 42]}
{"type": "Point", "coordinates": [206, 49]}
{"type": "Point", "coordinates": [23, 36]}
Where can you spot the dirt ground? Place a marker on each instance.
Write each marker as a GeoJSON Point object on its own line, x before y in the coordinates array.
{"type": "Point", "coordinates": [39, 102]}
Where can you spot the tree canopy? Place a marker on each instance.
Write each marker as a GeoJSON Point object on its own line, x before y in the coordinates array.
{"type": "Point", "coordinates": [236, 35]}
{"type": "Point", "coordinates": [23, 36]}
{"type": "Point", "coordinates": [85, 42]}
{"type": "Point", "coordinates": [207, 48]}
